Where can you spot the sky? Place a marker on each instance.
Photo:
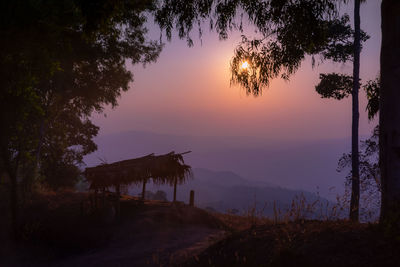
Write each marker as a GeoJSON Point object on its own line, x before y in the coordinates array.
{"type": "Point", "coordinates": [289, 136]}
{"type": "Point", "coordinates": [187, 92]}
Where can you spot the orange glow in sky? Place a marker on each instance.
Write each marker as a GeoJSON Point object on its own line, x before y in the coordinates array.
{"type": "Point", "coordinates": [197, 98]}
{"type": "Point", "coordinates": [245, 65]}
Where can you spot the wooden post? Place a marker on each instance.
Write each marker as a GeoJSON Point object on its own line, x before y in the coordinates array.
{"type": "Point", "coordinates": [103, 198]}
{"type": "Point", "coordinates": [118, 207]}
{"type": "Point", "coordinates": [95, 199]}
{"type": "Point", "coordinates": [175, 182]}
{"type": "Point", "coordinates": [144, 189]}
{"type": "Point", "coordinates": [191, 201]}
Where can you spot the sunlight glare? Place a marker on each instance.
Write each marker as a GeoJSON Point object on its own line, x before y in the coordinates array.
{"type": "Point", "coordinates": [245, 65]}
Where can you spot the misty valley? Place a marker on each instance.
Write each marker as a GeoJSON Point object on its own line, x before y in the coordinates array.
{"type": "Point", "coordinates": [200, 133]}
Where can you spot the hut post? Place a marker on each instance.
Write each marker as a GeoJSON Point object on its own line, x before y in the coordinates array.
{"type": "Point", "coordinates": [95, 198]}
{"type": "Point", "coordinates": [118, 207]}
{"type": "Point", "coordinates": [191, 201]}
{"type": "Point", "coordinates": [103, 197]}
{"type": "Point", "coordinates": [144, 189]}
{"type": "Point", "coordinates": [175, 183]}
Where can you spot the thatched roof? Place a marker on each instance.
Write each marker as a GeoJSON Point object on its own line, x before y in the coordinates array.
{"type": "Point", "coordinates": [163, 169]}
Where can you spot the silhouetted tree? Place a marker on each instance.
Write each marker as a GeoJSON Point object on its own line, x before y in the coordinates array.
{"type": "Point", "coordinates": [339, 86]}
{"type": "Point", "coordinates": [389, 110]}
{"type": "Point", "coordinates": [370, 180]}
{"type": "Point", "coordinates": [288, 30]}
{"type": "Point", "coordinates": [355, 164]}
{"type": "Point", "coordinates": [67, 139]}
{"type": "Point", "coordinates": [58, 57]}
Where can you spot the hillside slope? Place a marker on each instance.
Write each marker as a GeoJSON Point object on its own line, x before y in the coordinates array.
{"type": "Point", "coordinates": [224, 191]}
{"type": "Point", "coordinates": [304, 243]}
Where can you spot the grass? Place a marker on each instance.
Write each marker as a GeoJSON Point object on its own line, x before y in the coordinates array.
{"type": "Point", "coordinates": [54, 227]}
{"type": "Point", "coordinates": [305, 234]}
{"type": "Point", "coordinates": [303, 243]}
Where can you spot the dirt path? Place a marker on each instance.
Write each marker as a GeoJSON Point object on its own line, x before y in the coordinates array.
{"type": "Point", "coordinates": [152, 238]}
{"type": "Point", "coordinates": [157, 248]}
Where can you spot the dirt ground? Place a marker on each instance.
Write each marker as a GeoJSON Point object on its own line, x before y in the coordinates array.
{"type": "Point", "coordinates": [56, 233]}
{"type": "Point", "coordinates": [154, 236]}
{"type": "Point", "coordinates": [172, 245]}
{"type": "Point", "coordinates": [153, 233]}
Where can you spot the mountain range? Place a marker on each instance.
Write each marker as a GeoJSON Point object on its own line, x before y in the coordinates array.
{"type": "Point", "coordinates": [294, 164]}
{"type": "Point", "coordinates": [225, 191]}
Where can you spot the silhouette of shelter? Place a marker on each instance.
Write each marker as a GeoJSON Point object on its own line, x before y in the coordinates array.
{"type": "Point", "coordinates": [162, 169]}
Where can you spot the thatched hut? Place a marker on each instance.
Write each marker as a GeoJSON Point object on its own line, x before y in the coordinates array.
{"type": "Point", "coordinates": [162, 169]}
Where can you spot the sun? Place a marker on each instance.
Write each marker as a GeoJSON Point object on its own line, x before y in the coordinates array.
{"type": "Point", "coordinates": [245, 65]}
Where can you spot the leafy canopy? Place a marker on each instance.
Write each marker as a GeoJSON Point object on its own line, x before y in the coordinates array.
{"type": "Point", "coordinates": [61, 61]}
{"type": "Point", "coordinates": [286, 32]}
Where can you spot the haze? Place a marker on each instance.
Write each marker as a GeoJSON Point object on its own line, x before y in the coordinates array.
{"type": "Point", "coordinates": [187, 92]}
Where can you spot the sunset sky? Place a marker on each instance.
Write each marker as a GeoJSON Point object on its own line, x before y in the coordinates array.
{"type": "Point", "coordinates": [288, 136]}
{"type": "Point", "coordinates": [187, 92]}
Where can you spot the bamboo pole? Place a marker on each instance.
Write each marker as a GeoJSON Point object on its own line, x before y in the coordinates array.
{"type": "Point", "coordinates": [144, 189]}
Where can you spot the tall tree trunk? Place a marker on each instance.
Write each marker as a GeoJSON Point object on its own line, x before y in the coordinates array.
{"type": "Point", "coordinates": [389, 113]}
{"type": "Point", "coordinates": [355, 181]}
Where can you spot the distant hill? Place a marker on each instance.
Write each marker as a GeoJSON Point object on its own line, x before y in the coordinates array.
{"type": "Point", "coordinates": [298, 165]}
{"type": "Point", "coordinates": [224, 191]}
{"type": "Point", "coordinates": [221, 178]}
